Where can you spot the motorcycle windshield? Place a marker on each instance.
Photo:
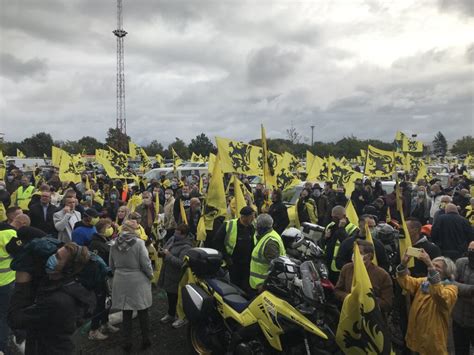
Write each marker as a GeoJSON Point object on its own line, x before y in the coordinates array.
{"type": "Point", "coordinates": [309, 277]}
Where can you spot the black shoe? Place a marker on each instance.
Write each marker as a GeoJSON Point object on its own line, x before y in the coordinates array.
{"type": "Point", "coordinates": [127, 348]}
{"type": "Point", "coordinates": [146, 344]}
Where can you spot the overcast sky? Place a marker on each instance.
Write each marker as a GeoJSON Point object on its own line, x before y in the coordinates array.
{"type": "Point", "coordinates": [222, 67]}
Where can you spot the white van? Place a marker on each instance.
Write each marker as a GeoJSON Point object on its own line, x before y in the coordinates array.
{"type": "Point", "coordinates": [27, 164]}
{"type": "Point", "coordinates": [187, 170]}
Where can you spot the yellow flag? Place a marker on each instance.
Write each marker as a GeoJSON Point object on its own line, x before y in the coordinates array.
{"type": "Point", "coordinates": [98, 198]}
{"type": "Point", "coordinates": [422, 172]}
{"type": "Point", "coordinates": [239, 196]}
{"type": "Point", "coordinates": [176, 160]}
{"type": "Point", "coordinates": [309, 161]}
{"type": "Point", "coordinates": [404, 238]}
{"type": "Point", "coordinates": [210, 162]}
{"type": "Point", "coordinates": [3, 213]}
{"type": "Point", "coordinates": [269, 177]}
{"type": "Point", "coordinates": [343, 175]}
{"type": "Point", "coordinates": [132, 149]}
{"type": "Point", "coordinates": [68, 169]}
{"type": "Point", "coordinates": [133, 202]}
{"type": "Point", "coordinates": [215, 199]}
{"type": "Point", "coordinates": [351, 213]}
{"type": "Point", "coordinates": [368, 237]}
{"type": "Point", "coordinates": [56, 156]}
{"type": "Point", "coordinates": [196, 158]}
{"type": "Point", "coordinates": [20, 154]}
{"type": "Point", "coordinates": [159, 159]}
{"type": "Point", "coordinates": [201, 230]}
{"type": "Point", "coordinates": [379, 162]}
{"type": "Point", "coordinates": [184, 218]}
{"type": "Point", "coordinates": [411, 145]}
{"type": "Point", "coordinates": [361, 329]}
{"type": "Point", "coordinates": [88, 183]}
{"type": "Point", "coordinates": [317, 165]}
{"type": "Point", "coordinates": [3, 166]}
{"type": "Point", "coordinates": [238, 157]}
{"type": "Point", "coordinates": [115, 163]}
{"type": "Point", "coordinates": [200, 184]}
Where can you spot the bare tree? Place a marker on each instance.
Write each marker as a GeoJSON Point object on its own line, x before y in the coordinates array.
{"type": "Point", "coordinates": [292, 135]}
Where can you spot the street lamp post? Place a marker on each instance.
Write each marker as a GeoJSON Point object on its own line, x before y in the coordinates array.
{"type": "Point", "coordinates": [312, 135]}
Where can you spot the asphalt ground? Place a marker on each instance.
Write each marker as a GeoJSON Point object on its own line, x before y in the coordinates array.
{"type": "Point", "coordinates": [164, 338]}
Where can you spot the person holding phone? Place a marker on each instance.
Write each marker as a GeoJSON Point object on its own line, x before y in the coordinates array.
{"type": "Point", "coordinates": [434, 297]}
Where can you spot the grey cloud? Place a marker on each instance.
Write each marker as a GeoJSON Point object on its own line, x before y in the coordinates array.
{"type": "Point", "coordinates": [15, 69]}
{"type": "Point", "coordinates": [470, 53]}
{"type": "Point", "coordinates": [463, 7]}
{"type": "Point", "coordinates": [268, 65]}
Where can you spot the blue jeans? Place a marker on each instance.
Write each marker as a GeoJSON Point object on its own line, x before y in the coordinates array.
{"type": "Point", "coordinates": [5, 294]}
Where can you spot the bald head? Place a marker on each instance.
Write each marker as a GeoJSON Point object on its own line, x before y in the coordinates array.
{"type": "Point", "coordinates": [338, 211]}
{"type": "Point", "coordinates": [21, 220]}
{"type": "Point", "coordinates": [451, 208]}
{"type": "Point", "coordinates": [446, 199]}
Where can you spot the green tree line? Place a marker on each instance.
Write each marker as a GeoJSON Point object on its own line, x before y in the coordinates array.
{"type": "Point", "coordinates": [40, 144]}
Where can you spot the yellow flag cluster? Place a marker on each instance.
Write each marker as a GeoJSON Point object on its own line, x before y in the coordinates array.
{"type": "Point", "coordinates": [242, 158]}
{"type": "Point", "coordinates": [361, 329]}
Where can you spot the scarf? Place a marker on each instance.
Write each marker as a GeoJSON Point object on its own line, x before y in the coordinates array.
{"type": "Point", "coordinates": [125, 241]}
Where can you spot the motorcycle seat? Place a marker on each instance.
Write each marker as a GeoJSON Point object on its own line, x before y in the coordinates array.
{"type": "Point", "coordinates": [224, 288]}
{"type": "Point", "coordinates": [237, 302]}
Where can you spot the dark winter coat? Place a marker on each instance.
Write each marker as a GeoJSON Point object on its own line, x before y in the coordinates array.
{"type": "Point", "coordinates": [100, 247]}
{"type": "Point", "coordinates": [452, 233]}
{"type": "Point", "coordinates": [280, 217]}
{"type": "Point", "coordinates": [50, 316]}
{"type": "Point", "coordinates": [171, 269]}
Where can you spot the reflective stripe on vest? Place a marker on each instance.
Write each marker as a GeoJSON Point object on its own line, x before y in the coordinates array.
{"type": "Point", "coordinates": [230, 236]}
{"type": "Point", "coordinates": [259, 265]}
{"type": "Point", "coordinates": [7, 275]}
{"type": "Point", "coordinates": [350, 228]}
{"type": "Point", "coordinates": [24, 198]}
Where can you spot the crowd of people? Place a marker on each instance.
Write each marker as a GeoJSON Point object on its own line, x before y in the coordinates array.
{"type": "Point", "coordinates": [66, 247]}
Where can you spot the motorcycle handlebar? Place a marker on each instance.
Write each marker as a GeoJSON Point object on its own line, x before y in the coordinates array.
{"type": "Point", "coordinates": [312, 226]}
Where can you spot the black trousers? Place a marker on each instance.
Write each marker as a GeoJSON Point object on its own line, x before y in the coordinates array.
{"type": "Point", "coordinates": [172, 302]}
{"type": "Point", "coordinates": [463, 338]}
{"type": "Point", "coordinates": [101, 314]}
{"type": "Point", "coordinates": [144, 324]}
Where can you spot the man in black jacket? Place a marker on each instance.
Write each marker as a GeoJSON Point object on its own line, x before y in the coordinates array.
{"type": "Point", "coordinates": [419, 241]}
{"type": "Point", "coordinates": [278, 212]}
{"type": "Point", "coordinates": [235, 240]}
{"type": "Point", "coordinates": [41, 214]}
{"type": "Point", "coordinates": [344, 255]}
{"type": "Point", "coordinates": [452, 233]}
{"type": "Point", "coordinates": [359, 197]}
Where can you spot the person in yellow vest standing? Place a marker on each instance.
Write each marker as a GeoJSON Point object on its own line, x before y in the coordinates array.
{"type": "Point", "coordinates": [234, 239]}
{"type": "Point", "coordinates": [268, 246]}
{"type": "Point", "coordinates": [336, 232]}
{"type": "Point", "coordinates": [7, 275]}
{"type": "Point", "coordinates": [22, 196]}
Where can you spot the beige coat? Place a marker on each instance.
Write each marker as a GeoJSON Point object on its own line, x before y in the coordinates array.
{"type": "Point", "coordinates": [169, 222]}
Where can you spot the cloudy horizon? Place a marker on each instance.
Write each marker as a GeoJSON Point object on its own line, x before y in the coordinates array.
{"type": "Point", "coordinates": [363, 68]}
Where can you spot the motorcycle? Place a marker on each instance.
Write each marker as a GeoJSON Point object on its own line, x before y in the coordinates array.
{"type": "Point", "coordinates": [224, 320]}
{"type": "Point", "coordinates": [302, 245]}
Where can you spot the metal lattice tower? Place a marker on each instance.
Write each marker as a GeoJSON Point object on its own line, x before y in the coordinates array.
{"type": "Point", "coordinates": [120, 33]}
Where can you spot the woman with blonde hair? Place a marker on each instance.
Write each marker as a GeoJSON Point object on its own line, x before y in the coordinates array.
{"type": "Point", "coordinates": [433, 300]}
{"type": "Point", "coordinates": [131, 287]}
